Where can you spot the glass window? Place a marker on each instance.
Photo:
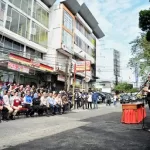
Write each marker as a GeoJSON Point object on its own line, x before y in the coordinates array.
{"type": "Point", "coordinates": [22, 26]}
{"type": "Point", "coordinates": [2, 10]}
{"type": "Point", "coordinates": [24, 5]}
{"type": "Point", "coordinates": [31, 53]}
{"type": "Point", "coordinates": [39, 35]}
{"type": "Point", "coordinates": [16, 46]}
{"type": "Point", "coordinates": [8, 44]}
{"type": "Point", "coordinates": [26, 9]}
{"type": "Point", "coordinates": [9, 11]}
{"type": "Point", "coordinates": [80, 43]}
{"type": "Point", "coordinates": [17, 22]}
{"type": "Point", "coordinates": [40, 14]}
{"type": "Point", "coordinates": [68, 21]}
{"type": "Point", "coordinates": [17, 3]}
{"type": "Point", "coordinates": [67, 40]}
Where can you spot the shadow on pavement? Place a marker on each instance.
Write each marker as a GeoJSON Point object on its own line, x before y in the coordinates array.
{"type": "Point", "coordinates": [104, 132]}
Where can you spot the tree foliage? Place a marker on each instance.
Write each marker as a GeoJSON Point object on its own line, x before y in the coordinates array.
{"type": "Point", "coordinates": [125, 87]}
{"type": "Point", "coordinates": [144, 22]}
{"type": "Point", "coordinates": [140, 51]}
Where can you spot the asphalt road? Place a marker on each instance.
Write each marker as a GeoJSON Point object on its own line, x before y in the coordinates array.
{"type": "Point", "coordinates": [89, 130]}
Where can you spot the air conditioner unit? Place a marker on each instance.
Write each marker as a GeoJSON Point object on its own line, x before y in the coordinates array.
{"type": "Point", "coordinates": [9, 19]}
{"type": "Point", "coordinates": [33, 32]}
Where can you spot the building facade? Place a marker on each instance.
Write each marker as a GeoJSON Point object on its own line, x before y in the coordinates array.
{"type": "Point", "coordinates": [40, 42]}
{"type": "Point", "coordinates": [74, 32]}
{"type": "Point", "coordinates": [24, 36]}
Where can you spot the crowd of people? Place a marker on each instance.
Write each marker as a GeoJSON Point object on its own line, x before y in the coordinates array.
{"type": "Point", "coordinates": [15, 98]}
{"type": "Point", "coordinates": [31, 100]}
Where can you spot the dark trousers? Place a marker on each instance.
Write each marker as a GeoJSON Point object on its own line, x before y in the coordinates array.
{"type": "Point", "coordinates": [77, 104]}
{"type": "Point", "coordinates": [148, 101]}
{"type": "Point", "coordinates": [4, 113]}
{"type": "Point", "coordinates": [43, 109]}
{"type": "Point", "coordinates": [84, 103]}
{"type": "Point", "coordinates": [53, 109]}
{"type": "Point", "coordinates": [58, 108]}
{"type": "Point", "coordinates": [89, 105]}
{"type": "Point", "coordinates": [30, 110]}
{"type": "Point", "coordinates": [65, 107]}
{"type": "Point", "coordinates": [0, 115]}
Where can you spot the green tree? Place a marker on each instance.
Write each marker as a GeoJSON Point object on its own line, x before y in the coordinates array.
{"type": "Point", "coordinates": [123, 87]}
{"type": "Point", "coordinates": [140, 51]}
{"type": "Point", "coordinates": [144, 22]}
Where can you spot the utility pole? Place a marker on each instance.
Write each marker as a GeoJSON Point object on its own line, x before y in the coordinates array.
{"type": "Point", "coordinates": [85, 70]}
{"type": "Point", "coordinates": [66, 75]}
{"type": "Point", "coordinates": [69, 75]}
{"type": "Point", "coordinates": [116, 65]}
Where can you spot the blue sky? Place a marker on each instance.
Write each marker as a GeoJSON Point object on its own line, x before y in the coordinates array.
{"type": "Point", "coordinates": [119, 21]}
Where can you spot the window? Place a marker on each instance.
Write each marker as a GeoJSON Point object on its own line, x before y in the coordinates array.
{"type": "Point", "coordinates": [2, 10]}
{"type": "Point", "coordinates": [31, 53]}
{"type": "Point", "coordinates": [80, 43]}
{"type": "Point", "coordinates": [83, 30]}
{"type": "Point", "coordinates": [39, 35]}
{"type": "Point", "coordinates": [24, 5]}
{"type": "Point", "coordinates": [67, 40]}
{"type": "Point", "coordinates": [40, 14]}
{"type": "Point", "coordinates": [17, 22]}
{"type": "Point", "coordinates": [9, 45]}
{"type": "Point", "coordinates": [68, 21]}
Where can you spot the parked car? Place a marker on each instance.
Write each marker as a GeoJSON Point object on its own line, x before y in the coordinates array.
{"type": "Point", "coordinates": [111, 96]}
{"type": "Point", "coordinates": [103, 96]}
{"type": "Point", "coordinates": [124, 99]}
{"type": "Point", "coordinates": [99, 99]}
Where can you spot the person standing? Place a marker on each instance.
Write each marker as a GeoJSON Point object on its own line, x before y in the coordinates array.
{"type": "Point", "coordinates": [90, 100]}
{"type": "Point", "coordinates": [77, 100]}
{"type": "Point", "coordinates": [115, 99]}
{"type": "Point", "coordinates": [95, 99]}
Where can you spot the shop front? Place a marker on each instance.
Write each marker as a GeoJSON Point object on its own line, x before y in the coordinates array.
{"type": "Point", "coordinates": [22, 70]}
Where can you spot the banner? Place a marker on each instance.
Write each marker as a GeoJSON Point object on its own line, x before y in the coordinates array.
{"type": "Point", "coordinates": [61, 78]}
{"type": "Point", "coordinates": [17, 67]}
{"type": "Point", "coordinates": [30, 63]}
{"type": "Point", "coordinates": [83, 66]}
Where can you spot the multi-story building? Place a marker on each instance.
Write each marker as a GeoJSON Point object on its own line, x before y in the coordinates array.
{"type": "Point", "coordinates": [40, 41]}
{"type": "Point", "coordinates": [74, 32]}
{"type": "Point", "coordinates": [24, 36]}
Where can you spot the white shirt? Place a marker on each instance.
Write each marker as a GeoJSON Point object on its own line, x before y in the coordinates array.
{"type": "Point", "coordinates": [6, 100]}
{"type": "Point", "coordinates": [90, 98]}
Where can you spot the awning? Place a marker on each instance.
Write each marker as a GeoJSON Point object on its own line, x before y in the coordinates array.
{"type": "Point", "coordinates": [49, 3]}
{"type": "Point", "coordinates": [72, 5]}
{"type": "Point", "coordinates": [87, 16]}
{"type": "Point", "coordinates": [98, 32]}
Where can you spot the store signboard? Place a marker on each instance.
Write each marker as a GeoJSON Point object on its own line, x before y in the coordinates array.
{"type": "Point", "coordinates": [17, 67]}
{"type": "Point", "coordinates": [61, 78]}
{"type": "Point", "coordinates": [83, 66]}
{"type": "Point", "coordinates": [30, 63]}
